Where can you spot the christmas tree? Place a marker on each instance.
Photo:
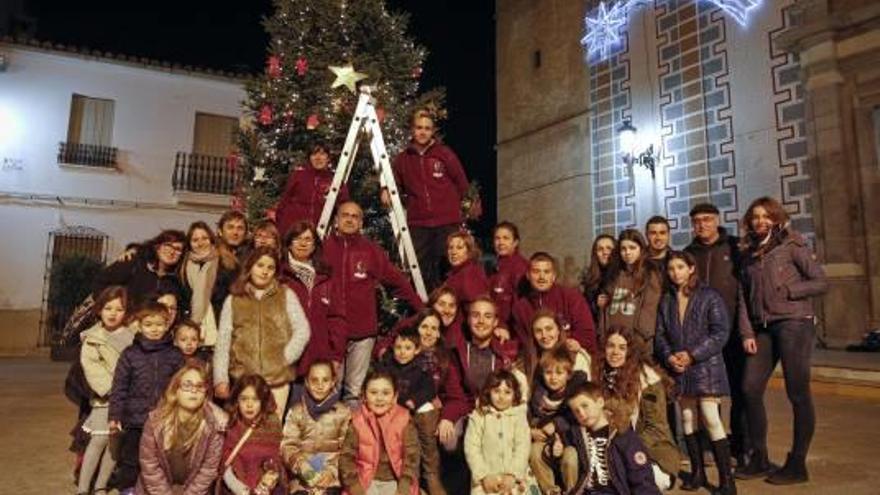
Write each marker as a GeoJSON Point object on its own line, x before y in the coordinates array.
{"type": "Point", "coordinates": [319, 51]}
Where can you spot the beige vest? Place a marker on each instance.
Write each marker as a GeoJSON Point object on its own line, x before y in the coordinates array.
{"type": "Point", "coordinates": [260, 331]}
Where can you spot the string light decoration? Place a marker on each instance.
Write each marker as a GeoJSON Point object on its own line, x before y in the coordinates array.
{"type": "Point", "coordinates": [604, 26]}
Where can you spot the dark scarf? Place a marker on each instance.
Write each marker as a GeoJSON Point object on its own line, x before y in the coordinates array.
{"type": "Point", "coordinates": [314, 408]}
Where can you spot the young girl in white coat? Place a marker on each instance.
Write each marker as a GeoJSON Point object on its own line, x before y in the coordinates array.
{"type": "Point", "coordinates": [101, 347]}
{"type": "Point", "coordinates": [498, 440]}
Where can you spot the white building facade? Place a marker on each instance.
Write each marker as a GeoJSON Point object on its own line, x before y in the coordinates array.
{"type": "Point", "coordinates": [97, 152]}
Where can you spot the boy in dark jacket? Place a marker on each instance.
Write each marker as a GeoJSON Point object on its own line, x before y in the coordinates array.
{"type": "Point", "coordinates": [416, 391]}
{"type": "Point", "coordinates": [599, 458]}
{"type": "Point", "coordinates": [142, 373]}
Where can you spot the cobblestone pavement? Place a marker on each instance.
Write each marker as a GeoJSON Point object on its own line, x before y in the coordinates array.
{"type": "Point", "coordinates": [35, 419]}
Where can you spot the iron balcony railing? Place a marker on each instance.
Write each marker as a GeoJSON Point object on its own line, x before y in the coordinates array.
{"type": "Point", "coordinates": [90, 155]}
{"type": "Point", "coordinates": [203, 174]}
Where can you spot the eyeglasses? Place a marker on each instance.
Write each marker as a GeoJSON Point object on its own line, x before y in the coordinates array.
{"type": "Point", "coordinates": [193, 387]}
{"type": "Point", "coordinates": [304, 240]}
{"type": "Point", "coordinates": [177, 248]}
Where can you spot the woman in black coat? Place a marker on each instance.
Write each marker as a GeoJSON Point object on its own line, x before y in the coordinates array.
{"type": "Point", "coordinates": [692, 328]}
{"type": "Point", "coordinates": [151, 270]}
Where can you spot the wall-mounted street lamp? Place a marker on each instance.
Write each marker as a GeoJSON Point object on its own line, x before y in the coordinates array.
{"type": "Point", "coordinates": [628, 142]}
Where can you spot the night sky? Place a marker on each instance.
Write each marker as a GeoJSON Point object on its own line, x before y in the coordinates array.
{"type": "Point", "coordinates": [459, 35]}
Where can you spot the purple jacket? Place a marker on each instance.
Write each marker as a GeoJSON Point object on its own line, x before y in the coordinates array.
{"type": "Point", "coordinates": [702, 333]}
{"type": "Point", "coordinates": [204, 459]}
{"type": "Point", "coordinates": [628, 461]}
{"type": "Point", "coordinates": [142, 373]}
{"type": "Point", "coordinates": [778, 282]}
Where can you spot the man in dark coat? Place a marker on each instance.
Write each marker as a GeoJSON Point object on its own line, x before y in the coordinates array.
{"type": "Point", "coordinates": [718, 266]}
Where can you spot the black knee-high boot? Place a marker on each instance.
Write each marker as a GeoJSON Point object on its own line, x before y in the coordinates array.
{"type": "Point", "coordinates": [697, 478]}
{"type": "Point", "coordinates": [726, 484]}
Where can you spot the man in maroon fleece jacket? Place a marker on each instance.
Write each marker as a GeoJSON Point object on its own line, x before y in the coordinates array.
{"type": "Point", "coordinates": [432, 182]}
{"type": "Point", "coordinates": [569, 305]}
{"type": "Point", "coordinates": [478, 354]}
{"type": "Point", "coordinates": [359, 266]}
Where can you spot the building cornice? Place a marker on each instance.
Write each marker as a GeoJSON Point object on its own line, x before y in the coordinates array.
{"type": "Point", "coordinates": [125, 60]}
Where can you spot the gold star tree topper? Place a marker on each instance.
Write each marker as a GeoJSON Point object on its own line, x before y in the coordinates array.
{"type": "Point", "coordinates": [346, 76]}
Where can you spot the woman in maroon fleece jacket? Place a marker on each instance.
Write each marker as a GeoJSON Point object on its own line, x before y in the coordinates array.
{"type": "Point", "coordinates": [305, 272]}
{"type": "Point", "coordinates": [510, 272]}
{"type": "Point", "coordinates": [306, 190]}
{"type": "Point", "coordinates": [466, 275]}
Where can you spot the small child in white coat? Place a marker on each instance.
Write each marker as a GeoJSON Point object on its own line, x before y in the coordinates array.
{"type": "Point", "coordinates": [498, 440]}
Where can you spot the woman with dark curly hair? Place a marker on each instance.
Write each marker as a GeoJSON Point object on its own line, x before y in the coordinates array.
{"type": "Point", "coordinates": [150, 270]}
{"type": "Point", "coordinates": [780, 276]}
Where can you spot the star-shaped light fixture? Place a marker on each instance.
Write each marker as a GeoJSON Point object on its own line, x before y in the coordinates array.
{"type": "Point", "coordinates": [603, 30]}
{"type": "Point", "coordinates": [346, 76]}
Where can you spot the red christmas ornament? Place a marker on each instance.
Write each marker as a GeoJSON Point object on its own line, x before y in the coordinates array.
{"type": "Point", "coordinates": [232, 161]}
{"type": "Point", "coordinates": [266, 115]}
{"type": "Point", "coordinates": [417, 72]}
{"type": "Point", "coordinates": [302, 66]}
{"type": "Point", "coordinates": [380, 113]}
{"type": "Point", "coordinates": [312, 122]}
{"type": "Point", "coordinates": [273, 67]}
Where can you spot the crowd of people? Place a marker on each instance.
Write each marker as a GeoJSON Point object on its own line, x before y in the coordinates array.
{"type": "Point", "coordinates": [249, 360]}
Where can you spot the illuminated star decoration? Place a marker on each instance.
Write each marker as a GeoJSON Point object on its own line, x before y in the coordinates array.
{"type": "Point", "coordinates": [346, 76]}
{"type": "Point", "coordinates": [603, 30]}
{"type": "Point", "coordinates": [604, 25]}
{"type": "Point", "coordinates": [738, 9]}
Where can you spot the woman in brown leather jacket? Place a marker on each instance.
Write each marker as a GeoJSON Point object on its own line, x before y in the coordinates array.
{"type": "Point", "coordinates": [780, 275]}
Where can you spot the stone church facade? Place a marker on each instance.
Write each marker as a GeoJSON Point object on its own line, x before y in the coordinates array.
{"type": "Point", "coordinates": [786, 104]}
